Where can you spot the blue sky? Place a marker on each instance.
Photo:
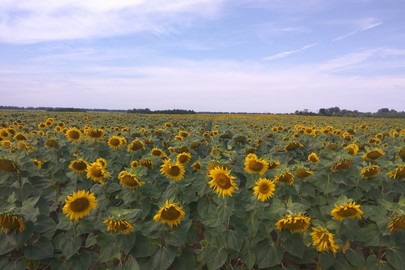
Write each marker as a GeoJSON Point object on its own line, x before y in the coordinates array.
{"type": "Point", "coordinates": [207, 55]}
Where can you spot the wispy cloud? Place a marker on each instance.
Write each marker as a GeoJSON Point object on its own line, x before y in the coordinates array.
{"type": "Point", "coordinates": [362, 25]}
{"type": "Point", "coordinates": [287, 53]}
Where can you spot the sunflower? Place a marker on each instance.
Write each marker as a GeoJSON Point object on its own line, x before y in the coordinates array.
{"type": "Point", "coordinates": [396, 224]}
{"type": "Point", "coordinates": [401, 153]}
{"type": "Point", "coordinates": [173, 171]}
{"type": "Point", "coordinates": [115, 142]}
{"type": "Point", "coordinates": [51, 143]}
{"type": "Point", "coordinates": [313, 157]}
{"type": "Point", "coordinates": [303, 173]}
{"type": "Point", "coordinates": [129, 180]}
{"type": "Point", "coordinates": [9, 222]}
{"type": "Point", "coordinates": [183, 158]}
{"type": "Point", "coordinates": [134, 164]}
{"type": "Point", "coordinates": [273, 164]}
{"type": "Point", "coordinates": [196, 166]}
{"type": "Point", "coordinates": [253, 164]}
{"type": "Point", "coordinates": [222, 181]}
{"type": "Point", "coordinates": [352, 149]}
{"type": "Point", "coordinates": [37, 163]}
{"type": "Point", "coordinates": [118, 225]}
{"type": "Point", "coordinates": [97, 173]}
{"type": "Point", "coordinates": [147, 163]}
{"type": "Point", "coordinates": [370, 171]}
{"type": "Point", "coordinates": [157, 152]}
{"type": "Point", "coordinates": [397, 173]}
{"type": "Point", "coordinates": [96, 133]}
{"type": "Point", "coordinates": [342, 164]}
{"type": "Point", "coordinates": [8, 165]}
{"type": "Point", "coordinates": [298, 223]}
{"type": "Point", "coordinates": [373, 155]}
{"type": "Point", "coordinates": [136, 145]}
{"type": "Point", "coordinates": [20, 137]}
{"type": "Point", "coordinates": [103, 162]}
{"type": "Point", "coordinates": [292, 146]}
{"type": "Point", "coordinates": [73, 134]}
{"type": "Point", "coordinates": [323, 240]}
{"type": "Point", "coordinates": [264, 189]}
{"type": "Point", "coordinates": [4, 133]}
{"type": "Point", "coordinates": [285, 177]}
{"type": "Point", "coordinates": [79, 204]}
{"type": "Point", "coordinates": [6, 143]}
{"type": "Point", "coordinates": [78, 166]}
{"type": "Point", "coordinates": [347, 210]}
{"type": "Point", "coordinates": [169, 213]}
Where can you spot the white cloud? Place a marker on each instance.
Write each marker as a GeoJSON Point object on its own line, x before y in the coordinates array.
{"type": "Point", "coordinates": [361, 25]}
{"type": "Point", "coordinates": [287, 53]}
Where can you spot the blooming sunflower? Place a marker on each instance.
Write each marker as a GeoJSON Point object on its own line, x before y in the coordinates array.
{"type": "Point", "coordinates": [273, 164]}
{"type": "Point", "coordinates": [264, 189]}
{"type": "Point", "coordinates": [303, 173]}
{"type": "Point", "coordinates": [196, 166]}
{"type": "Point", "coordinates": [96, 133]}
{"type": "Point", "coordinates": [79, 166]}
{"type": "Point", "coordinates": [79, 204]}
{"type": "Point", "coordinates": [370, 171]}
{"type": "Point", "coordinates": [115, 142]}
{"type": "Point", "coordinates": [20, 136]}
{"type": "Point", "coordinates": [134, 164]}
{"type": "Point", "coordinates": [347, 210]}
{"type": "Point", "coordinates": [342, 164]}
{"type": "Point", "coordinates": [10, 222]}
{"type": "Point", "coordinates": [4, 133]}
{"type": "Point", "coordinates": [173, 171]}
{"type": "Point", "coordinates": [103, 162]}
{"type": "Point", "coordinates": [285, 177]}
{"type": "Point", "coordinates": [129, 180]}
{"type": "Point", "coordinates": [352, 149]}
{"type": "Point", "coordinates": [136, 145]}
{"type": "Point", "coordinates": [97, 173]}
{"type": "Point", "coordinates": [222, 181]}
{"type": "Point", "coordinates": [396, 224]}
{"type": "Point", "coordinates": [292, 146]}
{"type": "Point", "coordinates": [157, 152]}
{"type": "Point", "coordinates": [183, 158]}
{"type": "Point", "coordinates": [8, 165]}
{"type": "Point", "coordinates": [298, 223]}
{"type": "Point", "coordinates": [397, 173]}
{"type": "Point", "coordinates": [118, 225]}
{"type": "Point", "coordinates": [373, 155]}
{"type": "Point", "coordinates": [253, 165]}
{"type": "Point", "coordinates": [169, 213]}
{"type": "Point", "coordinates": [73, 134]}
{"type": "Point", "coordinates": [323, 240]}
{"type": "Point", "coordinates": [313, 157]}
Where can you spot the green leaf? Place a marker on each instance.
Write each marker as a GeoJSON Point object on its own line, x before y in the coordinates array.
{"type": "Point", "coordinates": [268, 255]}
{"type": "Point", "coordinates": [396, 258]}
{"type": "Point", "coordinates": [341, 262]}
{"type": "Point", "coordinates": [326, 260]}
{"type": "Point", "coordinates": [249, 259]}
{"type": "Point", "coordinates": [39, 250]}
{"type": "Point", "coordinates": [163, 258]}
{"type": "Point", "coordinates": [185, 261]}
{"type": "Point", "coordinates": [214, 257]}
{"type": "Point", "coordinates": [178, 236]}
{"type": "Point", "coordinates": [355, 258]}
{"type": "Point", "coordinates": [143, 247]}
{"type": "Point", "coordinates": [14, 240]}
{"type": "Point", "coordinates": [295, 245]}
{"type": "Point", "coordinates": [67, 244]}
{"type": "Point", "coordinates": [126, 242]}
{"type": "Point", "coordinates": [45, 226]}
{"type": "Point", "coordinates": [131, 264]}
{"type": "Point", "coordinates": [234, 239]}
{"type": "Point", "coordinates": [83, 260]}
{"type": "Point", "coordinates": [125, 213]}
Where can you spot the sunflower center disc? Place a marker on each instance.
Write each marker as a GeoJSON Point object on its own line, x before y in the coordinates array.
{"type": "Point", "coordinates": [174, 170]}
{"type": "Point", "coordinates": [129, 181]}
{"type": "Point", "coordinates": [79, 204]}
{"type": "Point", "coordinates": [80, 166]}
{"type": "Point", "coordinates": [255, 166]}
{"type": "Point", "coordinates": [223, 181]}
{"type": "Point", "coordinates": [170, 213]}
{"type": "Point", "coordinates": [74, 135]}
{"type": "Point", "coordinates": [264, 188]}
{"type": "Point", "coordinates": [349, 212]}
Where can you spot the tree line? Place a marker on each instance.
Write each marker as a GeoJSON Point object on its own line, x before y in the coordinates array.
{"type": "Point", "coordinates": [336, 111]}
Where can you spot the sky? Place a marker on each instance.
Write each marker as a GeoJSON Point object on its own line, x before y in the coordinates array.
{"type": "Point", "coordinates": [269, 56]}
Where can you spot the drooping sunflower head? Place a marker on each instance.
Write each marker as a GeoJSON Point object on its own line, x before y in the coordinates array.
{"type": "Point", "coordinates": [352, 149]}
{"type": "Point", "coordinates": [148, 163]}
{"type": "Point", "coordinates": [136, 145]}
{"type": "Point", "coordinates": [370, 171]}
{"type": "Point", "coordinates": [397, 173]}
{"type": "Point", "coordinates": [342, 164]}
{"type": "Point", "coordinates": [52, 143]}
{"type": "Point", "coordinates": [264, 189]}
{"type": "Point", "coordinates": [20, 136]}
{"type": "Point", "coordinates": [346, 210]}
{"type": "Point", "coordinates": [222, 181]}
{"type": "Point", "coordinates": [293, 146]}
{"type": "Point", "coordinates": [79, 204]}
{"type": "Point", "coordinates": [373, 155]}
{"type": "Point", "coordinates": [157, 152]}
{"type": "Point", "coordinates": [173, 171]}
{"type": "Point", "coordinates": [254, 165]}
{"type": "Point", "coordinates": [401, 153]}
{"type": "Point", "coordinates": [273, 164]}
{"type": "Point", "coordinates": [303, 173]}
{"type": "Point", "coordinates": [8, 165]}
{"type": "Point", "coordinates": [11, 222]}
{"type": "Point", "coordinates": [183, 158]}
{"type": "Point", "coordinates": [115, 142]}
{"type": "Point", "coordinates": [313, 157]}
{"type": "Point", "coordinates": [285, 177]}
{"type": "Point", "coordinates": [74, 134]}
{"type": "Point", "coordinates": [118, 225]}
{"type": "Point", "coordinates": [397, 224]}
{"type": "Point", "coordinates": [169, 213]}
{"type": "Point", "coordinates": [97, 173]}
{"type": "Point", "coordinates": [103, 162]}
{"type": "Point", "coordinates": [298, 223]}
{"type": "Point", "coordinates": [78, 166]}
{"type": "Point", "coordinates": [129, 180]}
{"type": "Point", "coordinates": [323, 240]}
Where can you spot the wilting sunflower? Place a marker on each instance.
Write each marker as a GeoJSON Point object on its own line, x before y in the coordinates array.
{"type": "Point", "coordinates": [253, 164]}
{"type": "Point", "coordinates": [79, 204]}
{"type": "Point", "coordinates": [323, 240]}
{"type": "Point", "coordinates": [11, 222]}
{"type": "Point", "coordinates": [313, 157]}
{"type": "Point", "coordinates": [169, 213]}
{"type": "Point", "coordinates": [136, 145]}
{"type": "Point", "coordinates": [8, 165]}
{"type": "Point", "coordinates": [303, 173]}
{"type": "Point", "coordinates": [37, 163]}
{"type": "Point", "coordinates": [397, 173]}
{"type": "Point", "coordinates": [370, 171]}
{"type": "Point", "coordinates": [264, 189]}
{"type": "Point", "coordinates": [115, 142]}
{"type": "Point", "coordinates": [285, 177]}
{"type": "Point", "coordinates": [73, 134]}
{"type": "Point", "coordinates": [183, 158]}
{"type": "Point", "coordinates": [97, 173]}
{"type": "Point", "coordinates": [103, 162]}
{"type": "Point", "coordinates": [129, 180]}
{"type": "Point", "coordinates": [222, 181]}
{"type": "Point", "coordinates": [341, 164]}
{"type": "Point", "coordinates": [78, 166]}
{"type": "Point", "coordinates": [118, 225]}
{"type": "Point", "coordinates": [173, 171]}
{"type": "Point", "coordinates": [396, 224]}
{"type": "Point", "coordinates": [352, 149]}
{"type": "Point", "coordinates": [273, 164]}
{"type": "Point", "coordinates": [298, 223]}
{"type": "Point", "coordinates": [292, 146]}
{"type": "Point", "coordinates": [347, 210]}
{"type": "Point", "coordinates": [373, 155]}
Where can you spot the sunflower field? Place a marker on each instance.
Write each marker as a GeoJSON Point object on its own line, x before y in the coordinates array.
{"type": "Point", "coordinates": [130, 191]}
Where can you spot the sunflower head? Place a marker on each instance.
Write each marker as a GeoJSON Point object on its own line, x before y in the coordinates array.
{"type": "Point", "coordinates": [8, 165]}
{"type": "Point", "coordinates": [273, 164]}
{"type": "Point", "coordinates": [37, 163]}
{"type": "Point", "coordinates": [129, 180]}
{"type": "Point", "coordinates": [118, 225]}
{"type": "Point", "coordinates": [285, 177]}
{"type": "Point", "coordinates": [222, 181]}
{"type": "Point", "coordinates": [342, 164]}
{"type": "Point", "coordinates": [73, 134]}
{"type": "Point", "coordinates": [401, 153]}
{"type": "Point", "coordinates": [370, 171]}
{"type": "Point", "coordinates": [293, 146]}
{"type": "Point", "coordinates": [116, 142]}
{"type": "Point", "coordinates": [157, 152]}
{"type": "Point", "coordinates": [183, 158]}
{"type": "Point", "coordinates": [346, 210]}
{"type": "Point", "coordinates": [20, 137]}
{"type": "Point", "coordinates": [134, 164]}
{"type": "Point", "coordinates": [79, 204]}
{"type": "Point", "coordinates": [352, 149]}
{"type": "Point", "coordinates": [79, 166]}
{"type": "Point", "coordinates": [103, 162]}
{"type": "Point", "coordinates": [11, 222]}
{"type": "Point", "coordinates": [264, 189]}
{"type": "Point", "coordinates": [173, 171]}
{"type": "Point", "coordinates": [298, 223]}
{"type": "Point", "coordinates": [254, 165]}
{"type": "Point", "coordinates": [97, 173]}
{"type": "Point", "coordinates": [313, 158]}
{"type": "Point", "coordinates": [397, 224]}
{"type": "Point", "coordinates": [52, 143]}
{"type": "Point", "coordinates": [169, 213]}
{"type": "Point", "coordinates": [373, 155]}
{"type": "Point", "coordinates": [136, 145]}
{"type": "Point", "coordinates": [96, 133]}
{"type": "Point", "coordinates": [196, 166]}
{"type": "Point", "coordinates": [303, 173]}
{"type": "Point", "coordinates": [323, 240]}
{"type": "Point", "coordinates": [397, 173]}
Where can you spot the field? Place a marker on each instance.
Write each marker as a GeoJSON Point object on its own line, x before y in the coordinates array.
{"type": "Point", "coordinates": [132, 191]}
